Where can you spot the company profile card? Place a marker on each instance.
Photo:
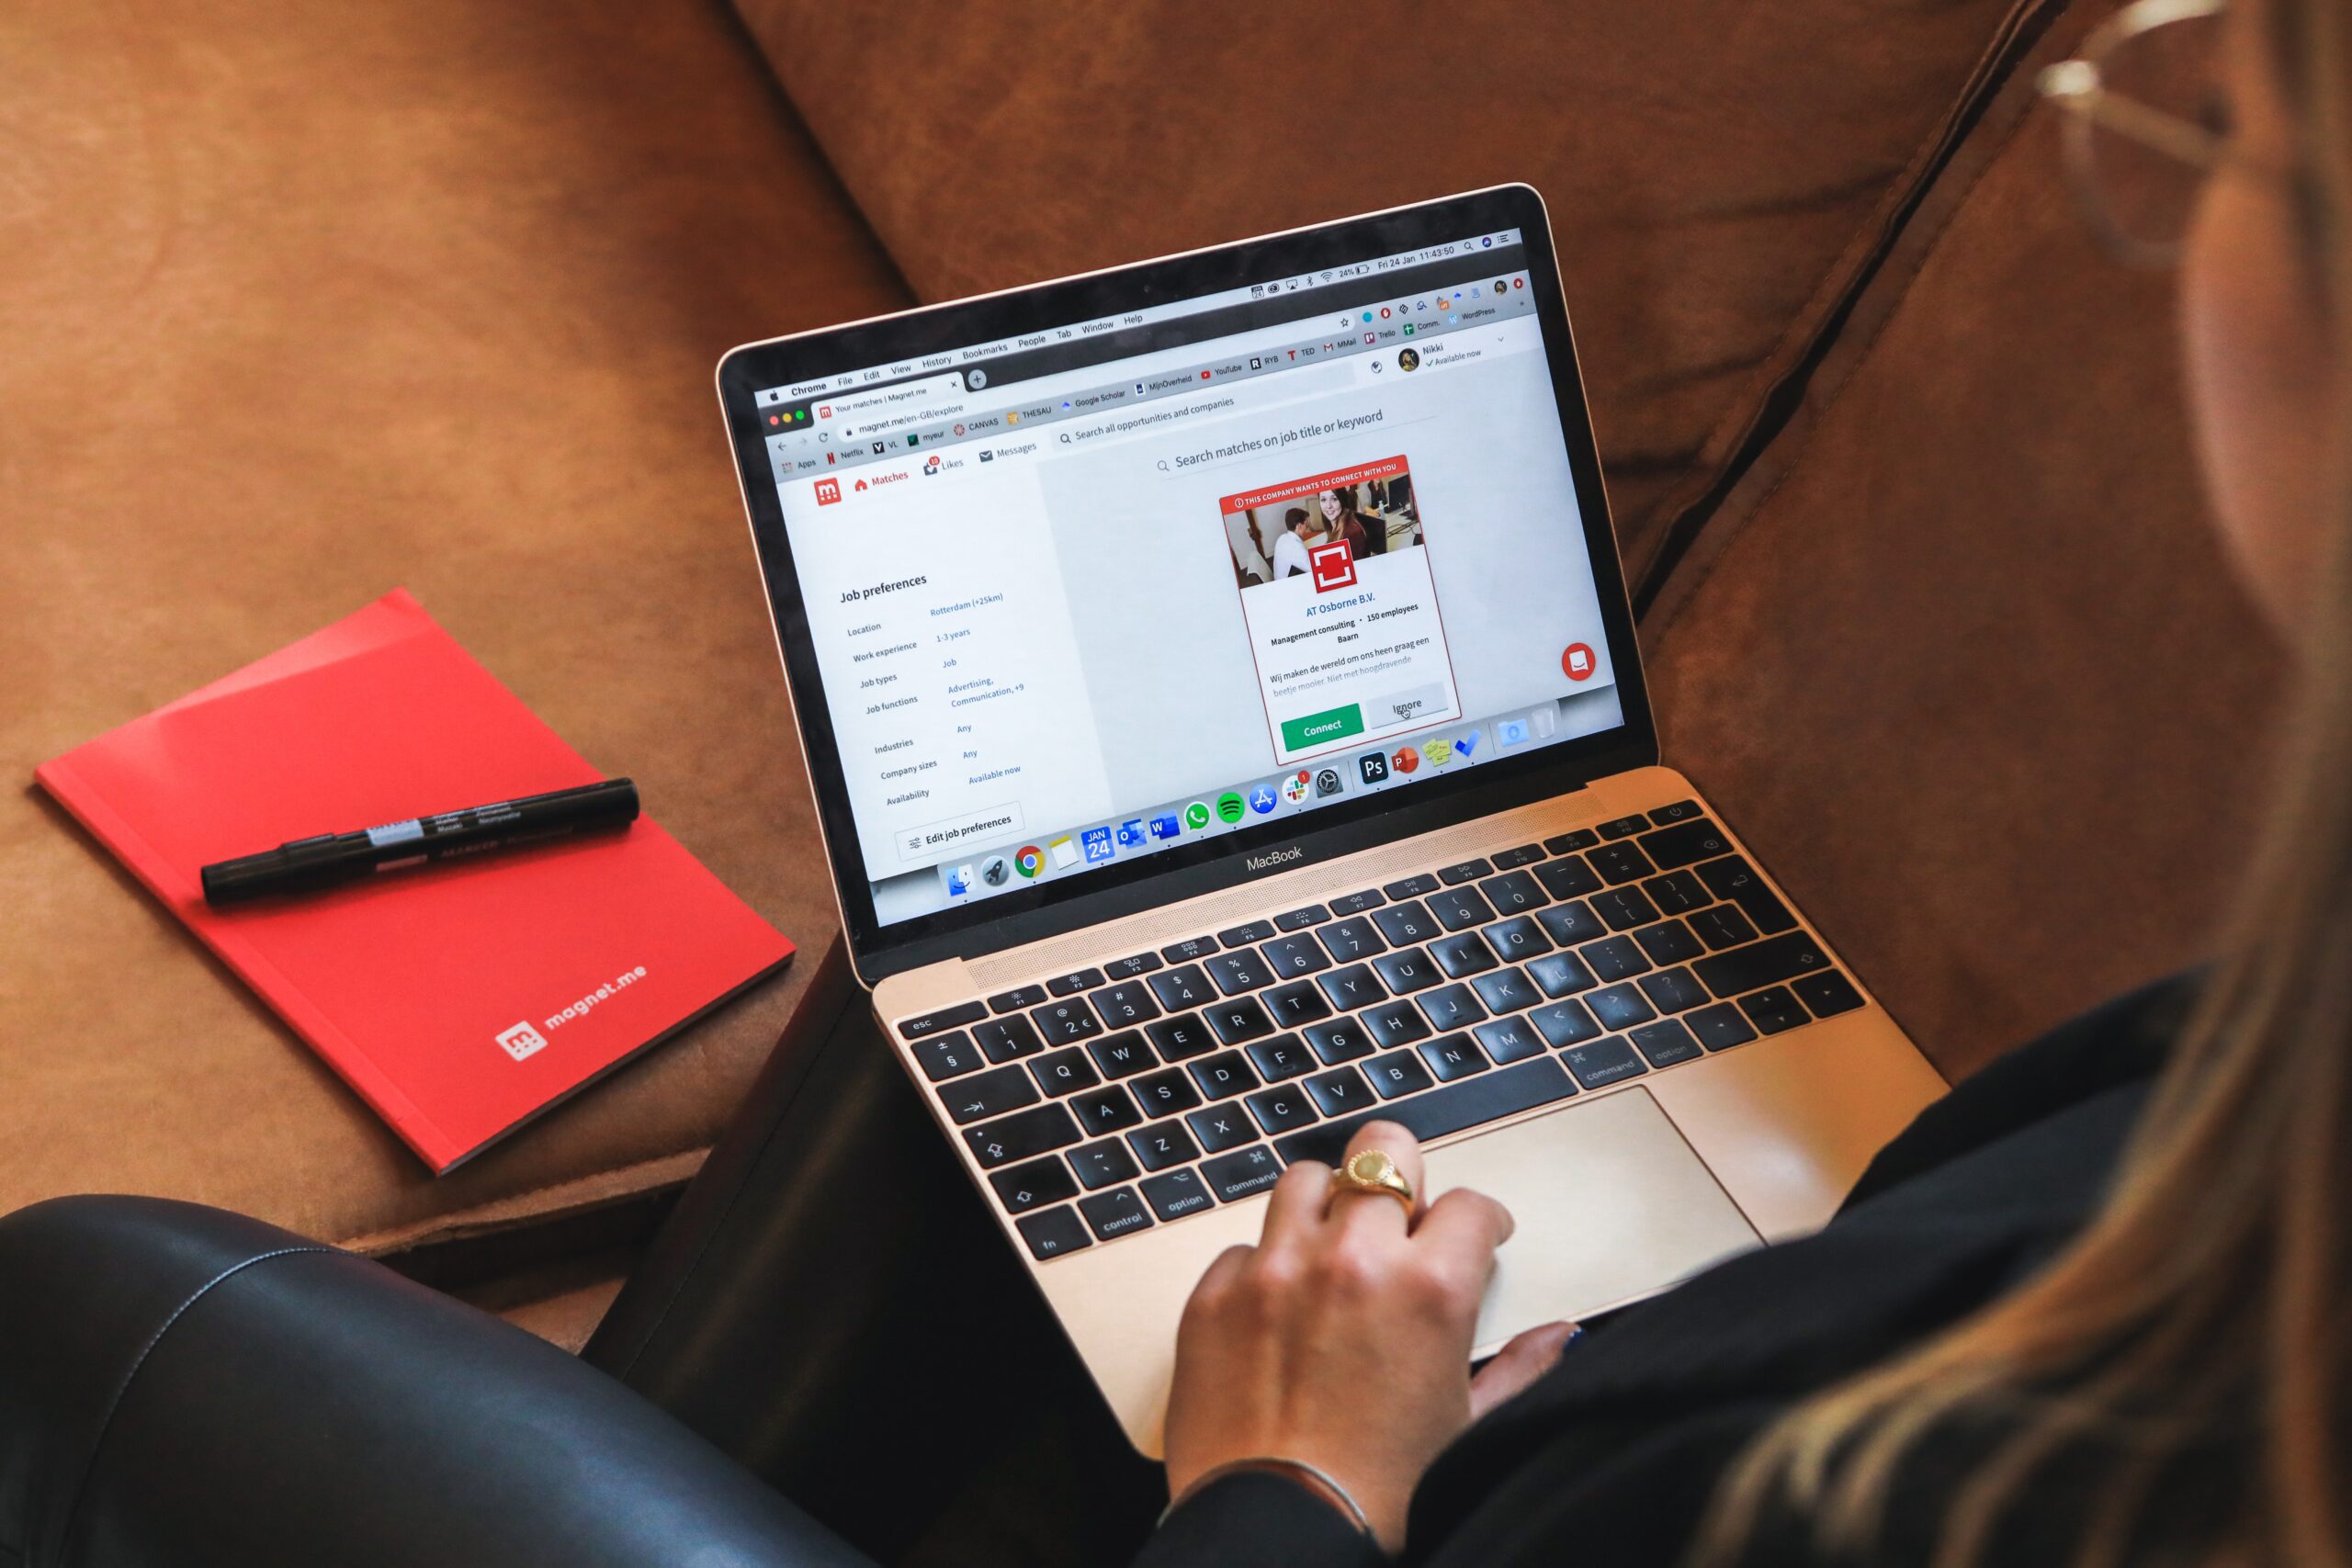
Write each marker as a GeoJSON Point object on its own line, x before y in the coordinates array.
{"type": "Point", "coordinates": [1341, 610]}
{"type": "Point", "coordinates": [459, 1000]}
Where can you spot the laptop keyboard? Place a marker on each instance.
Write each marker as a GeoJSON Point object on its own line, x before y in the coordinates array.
{"type": "Point", "coordinates": [1107, 1101]}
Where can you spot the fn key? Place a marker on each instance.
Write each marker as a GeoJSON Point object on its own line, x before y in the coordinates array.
{"type": "Point", "coordinates": [1053, 1232]}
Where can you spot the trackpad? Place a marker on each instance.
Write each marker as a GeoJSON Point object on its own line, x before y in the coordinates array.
{"type": "Point", "coordinates": [1612, 1206]}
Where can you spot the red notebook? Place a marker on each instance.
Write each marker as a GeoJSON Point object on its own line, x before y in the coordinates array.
{"type": "Point", "coordinates": [459, 999]}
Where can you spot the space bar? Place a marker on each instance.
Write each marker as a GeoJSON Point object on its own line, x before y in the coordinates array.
{"type": "Point", "coordinates": [1486, 1098]}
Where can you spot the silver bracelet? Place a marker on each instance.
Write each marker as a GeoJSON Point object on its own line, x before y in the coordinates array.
{"type": "Point", "coordinates": [1317, 1480]}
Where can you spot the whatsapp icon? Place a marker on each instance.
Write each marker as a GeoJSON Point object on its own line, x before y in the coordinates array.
{"type": "Point", "coordinates": [1228, 806]}
{"type": "Point", "coordinates": [1197, 815]}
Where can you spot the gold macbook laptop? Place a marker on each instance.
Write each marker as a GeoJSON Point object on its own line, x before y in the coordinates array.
{"type": "Point", "coordinates": [1227, 726]}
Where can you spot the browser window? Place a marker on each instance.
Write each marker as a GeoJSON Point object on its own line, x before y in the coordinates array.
{"type": "Point", "coordinates": [1074, 603]}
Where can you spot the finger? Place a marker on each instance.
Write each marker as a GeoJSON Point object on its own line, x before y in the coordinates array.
{"type": "Point", "coordinates": [1295, 1210]}
{"type": "Point", "coordinates": [1528, 1357]}
{"type": "Point", "coordinates": [1461, 1232]}
{"type": "Point", "coordinates": [1211, 1289]}
{"type": "Point", "coordinates": [1376, 1212]}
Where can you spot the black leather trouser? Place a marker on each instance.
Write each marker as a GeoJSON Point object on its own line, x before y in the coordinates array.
{"type": "Point", "coordinates": [827, 1318]}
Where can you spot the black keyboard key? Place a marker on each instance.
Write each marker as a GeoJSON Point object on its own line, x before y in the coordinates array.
{"type": "Point", "coordinates": [1463, 953]}
{"type": "Point", "coordinates": [1063, 1023]}
{"type": "Point", "coordinates": [1182, 986]}
{"type": "Point", "coordinates": [1299, 920]}
{"type": "Point", "coordinates": [1517, 939]}
{"type": "Point", "coordinates": [1163, 1143]}
{"type": "Point", "coordinates": [1239, 1020]}
{"type": "Point", "coordinates": [1408, 969]}
{"type": "Point", "coordinates": [1452, 1056]}
{"type": "Point", "coordinates": [1673, 990]}
{"type": "Point", "coordinates": [1025, 1187]}
{"type": "Point", "coordinates": [1343, 1040]}
{"type": "Point", "coordinates": [1678, 892]}
{"type": "Point", "coordinates": [1357, 903]}
{"type": "Point", "coordinates": [1619, 958]}
{"type": "Point", "coordinates": [1242, 936]}
{"type": "Point", "coordinates": [1285, 1108]}
{"type": "Point", "coordinates": [1223, 1076]}
{"type": "Point", "coordinates": [1513, 893]}
{"type": "Point", "coordinates": [1222, 1127]}
{"type": "Point", "coordinates": [1566, 1023]}
{"type": "Point", "coordinates": [1052, 1232]}
{"type": "Point", "coordinates": [1775, 1010]}
{"type": "Point", "coordinates": [1685, 843]}
{"type": "Point", "coordinates": [1025, 1134]}
{"type": "Point", "coordinates": [1620, 1007]}
{"type": "Point", "coordinates": [1177, 1194]}
{"type": "Point", "coordinates": [1603, 1062]}
{"type": "Point", "coordinates": [1339, 1091]}
{"type": "Point", "coordinates": [1405, 924]}
{"type": "Point", "coordinates": [1510, 1040]}
{"type": "Point", "coordinates": [940, 1022]}
{"type": "Point", "coordinates": [1100, 1165]}
{"type": "Point", "coordinates": [1352, 939]}
{"type": "Point", "coordinates": [1560, 974]}
{"type": "Point", "coordinates": [1569, 878]}
{"type": "Point", "coordinates": [1827, 995]}
{"type": "Point", "coordinates": [1451, 1007]}
{"type": "Point", "coordinates": [1112, 1215]}
{"type": "Point", "coordinates": [946, 1057]}
{"type": "Point", "coordinates": [1411, 886]}
{"type": "Point", "coordinates": [1669, 941]}
{"type": "Point", "coordinates": [1142, 964]}
{"type": "Point", "coordinates": [1007, 1039]}
{"type": "Point", "coordinates": [1284, 1056]}
{"type": "Point", "coordinates": [1733, 878]}
{"type": "Point", "coordinates": [1721, 926]}
{"type": "Point", "coordinates": [1165, 1093]}
{"type": "Point", "coordinates": [1070, 985]}
{"type": "Point", "coordinates": [1488, 1097]}
{"type": "Point", "coordinates": [1623, 826]}
{"type": "Point", "coordinates": [1761, 964]}
{"type": "Point", "coordinates": [1296, 1004]}
{"type": "Point", "coordinates": [1064, 1072]}
{"type": "Point", "coordinates": [1017, 999]}
{"type": "Point", "coordinates": [1352, 988]}
{"type": "Point", "coordinates": [1621, 863]}
{"type": "Point", "coordinates": [1123, 1054]}
{"type": "Point", "coordinates": [1569, 843]}
{"type": "Point", "coordinates": [1680, 811]}
{"type": "Point", "coordinates": [1127, 1002]}
{"type": "Point", "coordinates": [1396, 1024]}
{"type": "Point", "coordinates": [1464, 871]}
{"type": "Point", "coordinates": [1623, 909]}
{"type": "Point", "coordinates": [1190, 951]}
{"type": "Point", "coordinates": [1721, 1026]}
{"type": "Point", "coordinates": [1512, 860]}
{"type": "Point", "coordinates": [991, 1093]}
{"type": "Point", "coordinates": [1571, 923]}
{"type": "Point", "coordinates": [1665, 1043]}
{"type": "Point", "coordinates": [1507, 990]}
{"type": "Point", "coordinates": [1293, 957]}
{"type": "Point", "coordinates": [1181, 1038]}
{"type": "Point", "coordinates": [1238, 1176]}
{"type": "Point", "coordinates": [1397, 1074]}
{"type": "Point", "coordinates": [1104, 1110]}
{"type": "Point", "coordinates": [1238, 973]}
{"type": "Point", "coordinates": [1459, 908]}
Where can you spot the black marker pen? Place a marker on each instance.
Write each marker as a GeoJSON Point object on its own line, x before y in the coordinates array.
{"type": "Point", "coordinates": [305, 866]}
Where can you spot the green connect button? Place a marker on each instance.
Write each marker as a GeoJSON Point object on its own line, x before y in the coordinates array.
{"type": "Point", "coordinates": [1322, 728]}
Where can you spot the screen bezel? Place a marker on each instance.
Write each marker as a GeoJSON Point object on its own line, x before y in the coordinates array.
{"type": "Point", "coordinates": [1065, 904]}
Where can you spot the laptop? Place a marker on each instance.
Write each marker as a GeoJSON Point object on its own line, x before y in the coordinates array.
{"type": "Point", "coordinates": [1227, 726]}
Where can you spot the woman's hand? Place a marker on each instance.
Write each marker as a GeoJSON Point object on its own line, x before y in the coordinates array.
{"type": "Point", "coordinates": [1343, 1338]}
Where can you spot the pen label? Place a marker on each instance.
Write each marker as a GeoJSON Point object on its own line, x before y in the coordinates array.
{"type": "Point", "coordinates": [396, 833]}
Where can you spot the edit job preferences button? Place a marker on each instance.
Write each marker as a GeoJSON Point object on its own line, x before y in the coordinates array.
{"type": "Point", "coordinates": [1322, 728]}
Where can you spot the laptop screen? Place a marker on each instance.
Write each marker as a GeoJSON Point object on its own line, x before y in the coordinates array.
{"type": "Point", "coordinates": [1103, 590]}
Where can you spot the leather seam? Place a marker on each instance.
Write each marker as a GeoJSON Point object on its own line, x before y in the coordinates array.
{"type": "Point", "coordinates": [114, 1405]}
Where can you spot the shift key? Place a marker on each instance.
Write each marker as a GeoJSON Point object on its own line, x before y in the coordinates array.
{"type": "Point", "coordinates": [1761, 964]}
{"type": "Point", "coordinates": [1039, 1130]}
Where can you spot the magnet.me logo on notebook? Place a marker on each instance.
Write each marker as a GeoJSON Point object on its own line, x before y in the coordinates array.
{"type": "Point", "coordinates": [521, 1040]}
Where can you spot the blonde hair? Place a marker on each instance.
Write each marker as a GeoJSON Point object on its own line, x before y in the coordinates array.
{"type": "Point", "coordinates": [2210, 1293]}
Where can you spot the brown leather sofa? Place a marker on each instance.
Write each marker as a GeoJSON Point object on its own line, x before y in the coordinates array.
{"type": "Point", "coordinates": [301, 303]}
